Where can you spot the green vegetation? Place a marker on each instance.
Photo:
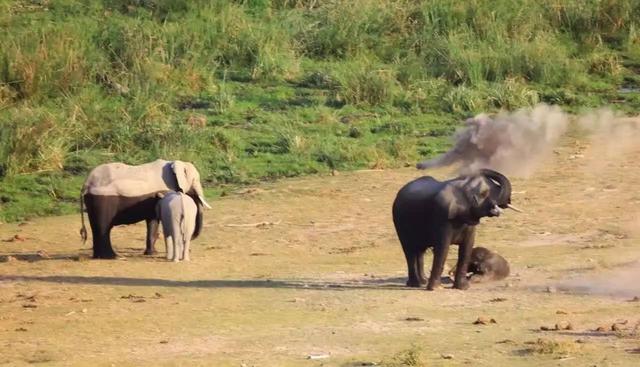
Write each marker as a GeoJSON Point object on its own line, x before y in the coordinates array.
{"type": "Point", "coordinates": [262, 89]}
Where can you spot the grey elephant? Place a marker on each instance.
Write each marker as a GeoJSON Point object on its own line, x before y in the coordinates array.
{"type": "Point", "coordinates": [117, 193]}
{"type": "Point", "coordinates": [177, 212]}
{"type": "Point", "coordinates": [428, 213]}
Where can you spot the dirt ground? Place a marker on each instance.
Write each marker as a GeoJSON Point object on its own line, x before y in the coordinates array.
{"type": "Point", "coordinates": [322, 282]}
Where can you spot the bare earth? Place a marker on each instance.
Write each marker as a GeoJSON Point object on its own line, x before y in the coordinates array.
{"type": "Point", "coordinates": [323, 278]}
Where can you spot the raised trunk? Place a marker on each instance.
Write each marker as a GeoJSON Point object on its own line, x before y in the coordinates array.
{"type": "Point", "coordinates": [504, 196]}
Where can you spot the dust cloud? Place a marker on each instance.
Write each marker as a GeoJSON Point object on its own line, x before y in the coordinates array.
{"type": "Point", "coordinates": [517, 143]}
{"type": "Point", "coordinates": [619, 283]}
{"type": "Point", "coordinates": [514, 143]}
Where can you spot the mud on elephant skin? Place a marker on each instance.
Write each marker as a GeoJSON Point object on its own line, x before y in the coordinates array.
{"type": "Point", "coordinates": [117, 193]}
{"type": "Point", "coordinates": [428, 213]}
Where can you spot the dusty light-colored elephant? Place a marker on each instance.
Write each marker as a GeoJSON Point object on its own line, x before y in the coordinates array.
{"type": "Point", "coordinates": [117, 193]}
{"type": "Point", "coordinates": [177, 212]}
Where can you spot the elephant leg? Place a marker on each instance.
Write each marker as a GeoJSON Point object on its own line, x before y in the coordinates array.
{"type": "Point", "coordinates": [421, 277]}
{"type": "Point", "coordinates": [101, 213]}
{"type": "Point", "coordinates": [412, 270]}
{"type": "Point", "coordinates": [178, 249]}
{"type": "Point", "coordinates": [169, 243]}
{"type": "Point", "coordinates": [464, 257]}
{"type": "Point", "coordinates": [152, 236]}
{"type": "Point", "coordinates": [187, 247]}
{"type": "Point", "coordinates": [440, 251]}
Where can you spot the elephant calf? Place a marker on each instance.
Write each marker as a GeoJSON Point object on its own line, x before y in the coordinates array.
{"type": "Point", "coordinates": [487, 265]}
{"type": "Point", "coordinates": [177, 212]}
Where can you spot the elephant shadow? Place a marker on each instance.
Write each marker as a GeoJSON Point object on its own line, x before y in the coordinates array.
{"type": "Point", "coordinates": [395, 283]}
{"type": "Point", "coordinates": [80, 255]}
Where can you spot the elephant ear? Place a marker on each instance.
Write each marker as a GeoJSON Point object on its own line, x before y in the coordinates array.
{"type": "Point", "coordinates": [180, 170]}
{"type": "Point", "coordinates": [475, 191]}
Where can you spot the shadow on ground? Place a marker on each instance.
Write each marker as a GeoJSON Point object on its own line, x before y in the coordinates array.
{"type": "Point", "coordinates": [388, 283]}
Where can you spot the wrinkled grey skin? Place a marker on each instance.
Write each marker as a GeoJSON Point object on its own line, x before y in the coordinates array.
{"type": "Point", "coordinates": [428, 213]}
{"type": "Point", "coordinates": [177, 213]}
{"type": "Point", "coordinates": [473, 146]}
{"type": "Point", "coordinates": [486, 265]}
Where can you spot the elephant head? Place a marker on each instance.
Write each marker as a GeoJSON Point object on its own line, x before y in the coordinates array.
{"type": "Point", "coordinates": [487, 192]}
{"type": "Point", "coordinates": [188, 181]}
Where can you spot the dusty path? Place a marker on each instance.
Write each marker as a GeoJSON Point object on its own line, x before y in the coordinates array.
{"type": "Point", "coordinates": [327, 276]}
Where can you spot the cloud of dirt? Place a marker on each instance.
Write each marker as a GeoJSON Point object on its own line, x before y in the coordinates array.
{"type": "Point", "coordinates": [611, 136]}
{"type": "Point", "coordinates": [619, 283]}
{"type": "Point", "coordinates": [514, 143]}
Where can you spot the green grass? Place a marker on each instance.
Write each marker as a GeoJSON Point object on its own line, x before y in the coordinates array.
{"type": "Point", "coordinates": [263, 89]}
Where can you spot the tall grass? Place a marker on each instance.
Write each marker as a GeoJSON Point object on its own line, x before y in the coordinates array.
{"type": "Point", "coordinates": [253, 89]}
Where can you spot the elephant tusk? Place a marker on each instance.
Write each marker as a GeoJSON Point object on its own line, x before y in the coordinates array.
{"type": "Point", "coordinates": [515, 208]}
{"type": "Point", "coordinates": [206, 205]}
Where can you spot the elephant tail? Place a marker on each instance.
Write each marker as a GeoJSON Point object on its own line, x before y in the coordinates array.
{"type": "Point", "coordinates": [83, 230]}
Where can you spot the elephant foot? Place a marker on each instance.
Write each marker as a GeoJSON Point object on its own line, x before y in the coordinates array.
{"type": "Point", "coordinates": [461, 285]}
{"type": "Point", "coordinates": [432, 286]}
{"type": "Point", "coordinates": [105, 255]}
{"type": "Point", "coordinates": [150, 252]}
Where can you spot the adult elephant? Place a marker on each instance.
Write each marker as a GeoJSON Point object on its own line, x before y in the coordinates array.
{"type": "Point", "coordinates": [117, 193]}
{"type": "Point", "coordinates": [430, 213]}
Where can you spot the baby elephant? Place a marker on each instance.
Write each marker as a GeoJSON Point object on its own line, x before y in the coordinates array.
{"type": "Point", "coordinates": [177, 212]}
{"type": "Point", "coordinates": [487, 265]}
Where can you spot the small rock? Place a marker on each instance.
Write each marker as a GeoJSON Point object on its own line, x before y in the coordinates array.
{"type": "Point", "coordinates": [158, 295]}
{"type": "Point", "coordinates": [21, 329]}
{"type": "Point", "coordinates": [564, 325]}
{"type": "Point", "coordinates": [545, 328]}
{"type": "Point", "coordinates": [446, 356]}
{"type": "Point", "coordinates": [29, 305]}
{"type": "Point", "coordinates": [43, 254]}
{"type": "Point", "coordinates": [334, 172]}
{"type": "Point", "coordinates": [414, 319]}
{"type": "Point", "coordinates": [601, 328]}
{"type": "Point", "coordinates": [483, 320]}
{"type": "Point", "coordinates": [84, 310]}
{"type": "Point", "coordinates": [164, 341]}
{"type": "Point", "coordinates": [318, 356]}
{"type": "Point", "coordinates": [498, 299]}
{"type": "Point", "coordinates": [616, 327]}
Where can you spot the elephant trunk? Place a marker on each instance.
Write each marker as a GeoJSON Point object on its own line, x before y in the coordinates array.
{"type": "Point", "coordinates": [199, 192]}
{"type": "Point", "coordinates": [504, 197]}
